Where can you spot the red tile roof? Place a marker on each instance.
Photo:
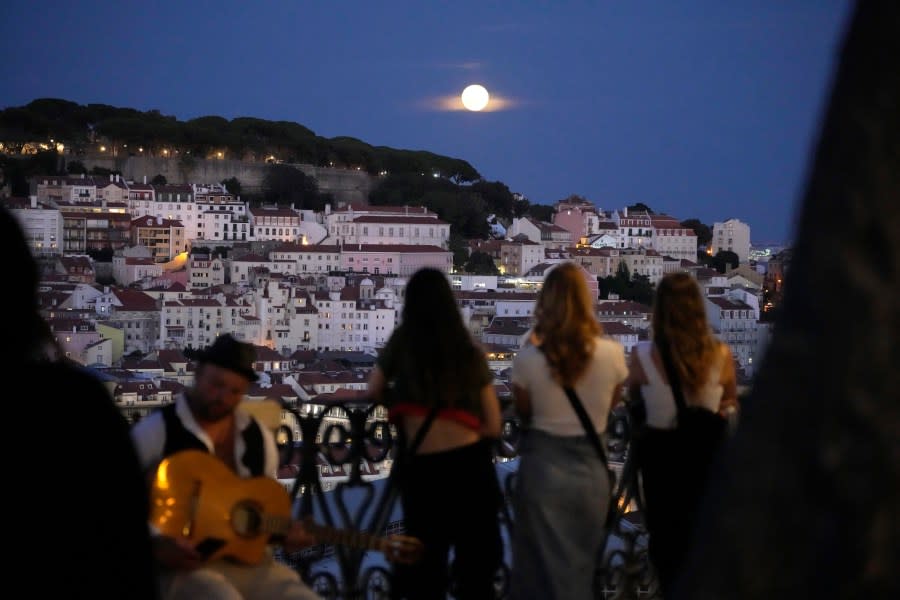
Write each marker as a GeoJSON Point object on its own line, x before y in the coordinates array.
{"type": "Point", "coordinates": [134, 300]}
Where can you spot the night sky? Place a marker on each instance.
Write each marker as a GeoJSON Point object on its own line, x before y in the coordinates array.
{"type": "Point", "coordinates": [705, 109]}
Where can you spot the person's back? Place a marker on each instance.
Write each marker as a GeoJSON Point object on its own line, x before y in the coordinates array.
{"type": "Point", "coordinates": [451, 498]}
{"type": "Point", "coordinates": [596, 387]}
{"type": "Point", "coordinates": [83, 506]}
{"type": "Point", "coordinates": [563, 487]}
{"type": "Point", "coordinates": [89, 491]}
{"type": "Point", "coordinates": [674, 464]}
{"type": "Point", "coordinates": [659, 402]}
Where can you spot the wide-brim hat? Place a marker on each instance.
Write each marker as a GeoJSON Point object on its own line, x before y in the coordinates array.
{"type": "Point", "coordinates": [231, 354]}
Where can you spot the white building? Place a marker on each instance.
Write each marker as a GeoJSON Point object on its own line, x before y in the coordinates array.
{"type": "Point", "coordinates": [399, 229]}
{"type": "Point", "coordinates": [275, 223]}
{"type": "Point", "coordinates": [289, 320]}
{"type": "Point", "coordinates": [309, 259]}
{"type": "Point", "coordinates": [643, 261]}
{"type": "Point", "coordinates": [360, 224]}
{"type": "Point", "coordinates": [548, 235]}
{"type": "Point", "coordinates": [204, 271]}
{"type": "Point", "coordinates": [734, 236]}
{"type": "Point", "coordinates": [635, 228]}
{"type": "Point", "coordinates": [62, 189]}
{"type": "Point", "coordinates": [240, 268]}
{"type": "Point", "coordinates": [134, 264]}
{"type": "Point", "coordinates": [394, 259]}
{"type": "Point", "coordinates": [197, 322]}
{"type": "Point", "coordinates": [355, 318]}
{"type": "Point", "coordinates": [735, 323]}
{"type": "Point", "coordinates": [42, 226]}
{"type": "Point", "coordinates": [670, 238]}
{"type": "Point", "coordinates": [465, 282]}
{"type": "Point", "coordinates": [622, 333]}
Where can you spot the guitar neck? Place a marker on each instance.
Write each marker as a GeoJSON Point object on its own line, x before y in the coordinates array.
{"type": "Point", "coordinates": [346, 537]}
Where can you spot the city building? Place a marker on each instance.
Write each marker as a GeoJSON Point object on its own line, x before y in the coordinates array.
{"type": "Point", "coordinates": [733, 236]}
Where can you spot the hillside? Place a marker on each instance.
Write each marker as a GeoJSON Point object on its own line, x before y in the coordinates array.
{"type": "Point", "coordinates": [91, 129]}
{"type": "Point", "coordinates": [51, 136]}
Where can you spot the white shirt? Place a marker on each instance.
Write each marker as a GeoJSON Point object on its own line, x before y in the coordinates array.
{"type": "Point", "coordinates": [149, 437]}
{"type": "Point", "coordinates": [551, 410]}
{"type": "Point", "coordinates": [658, 399]}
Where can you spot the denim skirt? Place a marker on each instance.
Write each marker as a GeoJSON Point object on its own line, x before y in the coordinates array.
{"type": "Point", "coordinates": [560, 501]}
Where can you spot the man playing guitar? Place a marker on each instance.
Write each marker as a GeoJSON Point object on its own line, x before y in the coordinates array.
{"type": "Point", "coordinates": [207, 418]}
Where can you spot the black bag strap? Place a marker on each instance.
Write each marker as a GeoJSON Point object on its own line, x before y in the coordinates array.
{"type": "Point", "coordinates": [612, 512]}
{"type": "Point", "coordinates": [589, 429]}
{"type": "Point", "coordinates": [587, 424]}
{"type": "Point", "coordinates": [665, 353]}
{"type": "Point", "coordinates": [386, 503]}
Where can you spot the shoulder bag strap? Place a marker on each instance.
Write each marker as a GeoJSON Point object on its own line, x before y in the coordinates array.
{"type": "Point", "coordinates": [585, 420]}
{"type": "Point", "coordinates": [586, 423]}
{"type": "Point", "coordinates": [671, 374]}
{"type": "Point", "coordinates": [387, 499]}
{"type": "Point", "coordinates": [612, 512]}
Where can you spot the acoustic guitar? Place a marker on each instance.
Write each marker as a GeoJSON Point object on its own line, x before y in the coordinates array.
{"type": "Point", "coordinates": [196, 496]}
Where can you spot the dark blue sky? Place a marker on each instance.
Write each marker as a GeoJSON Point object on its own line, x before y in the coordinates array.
{"type": "Point", "coordinates": [704, 109]}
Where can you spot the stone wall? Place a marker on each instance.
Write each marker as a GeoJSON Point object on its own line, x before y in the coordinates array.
{"type": "Point", "coordinates": [344, 184]}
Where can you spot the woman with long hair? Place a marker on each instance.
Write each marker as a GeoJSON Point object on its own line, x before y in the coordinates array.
{"type": "Point", "coordinates": [563, 488]}
{"type": "Point", "coordinates": [674, 477]}
{"type": "Point", "coordinates": [448, 488]}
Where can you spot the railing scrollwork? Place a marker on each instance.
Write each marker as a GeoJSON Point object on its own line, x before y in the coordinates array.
{"type": "Point", "coordinates": [356, 439]}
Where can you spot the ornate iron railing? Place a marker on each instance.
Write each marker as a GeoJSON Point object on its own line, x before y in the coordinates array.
{"type": "Point", "coordinates": [354, 435]}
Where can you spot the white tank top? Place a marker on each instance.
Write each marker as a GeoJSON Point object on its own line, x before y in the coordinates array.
{"type": "Point", "coordinates": [658, 398]}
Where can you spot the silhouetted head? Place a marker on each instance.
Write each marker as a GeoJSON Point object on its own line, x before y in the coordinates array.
{"type": "Point", "coordinates": [679, 321]}
{"type": "Point", "coordinates": [428, 298]}
{"type": "Point", "coordinates": [565, 302]}
{"type": "Point", "coordinates": [565, 324]}
{"type": "Point", "coordinates": [22, 266]}
{"type": "Point", "coordinates": [679, 308]}
{"type": "Point", "coordinates": [27, 335]}
{"type": "Point", "coordinates": [440, 356]}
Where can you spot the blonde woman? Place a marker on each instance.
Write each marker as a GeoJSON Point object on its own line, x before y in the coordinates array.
{"type": "Point", "coordinates": [674, 472]}
{"type": "Point", "coordinates": [563, 488]}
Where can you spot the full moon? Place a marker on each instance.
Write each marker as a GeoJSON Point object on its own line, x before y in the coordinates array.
{"type": "Point", "coordinates": [475, 97]}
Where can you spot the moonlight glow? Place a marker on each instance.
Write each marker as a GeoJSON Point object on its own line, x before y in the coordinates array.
{"type": "Point", "coordinates": [475, 97]}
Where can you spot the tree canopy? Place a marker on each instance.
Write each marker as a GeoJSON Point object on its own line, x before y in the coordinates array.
{"type": "Point", "coordinates": [246, 138]}
{"type": "Point", "coordinates": [703, 231]}
{"type": "Point", "coordinates": [481, 263]}
{"type": "Point", "coordinates": [627, 286]}
{"type": "Point", "coordinates": [284, 185]}
{"type": "Point", "coordinates": [640, 207]}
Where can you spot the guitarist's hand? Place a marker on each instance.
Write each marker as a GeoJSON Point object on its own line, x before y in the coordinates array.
{"type": "Point", "coordinates": [176, 553]}
{"type": "Point", "coordinates": [298, 537]}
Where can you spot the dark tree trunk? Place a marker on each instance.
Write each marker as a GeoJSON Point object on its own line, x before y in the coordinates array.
{"type": "Point", "coordinates": [805, 502]}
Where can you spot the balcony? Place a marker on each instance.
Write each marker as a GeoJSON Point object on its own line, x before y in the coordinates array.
{"type": "Point", "coordinates": [357, 444]}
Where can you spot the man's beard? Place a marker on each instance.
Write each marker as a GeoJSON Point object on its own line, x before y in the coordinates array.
{"type": "Point", "coordinates": [209, 413]}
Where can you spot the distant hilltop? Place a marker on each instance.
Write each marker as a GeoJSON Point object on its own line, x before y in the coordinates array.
{"type": "Point", "coordinates": [99, 134]}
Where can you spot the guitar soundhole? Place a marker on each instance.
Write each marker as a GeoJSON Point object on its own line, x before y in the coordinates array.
{"type": "Point", "coordinates": [246, 519]}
